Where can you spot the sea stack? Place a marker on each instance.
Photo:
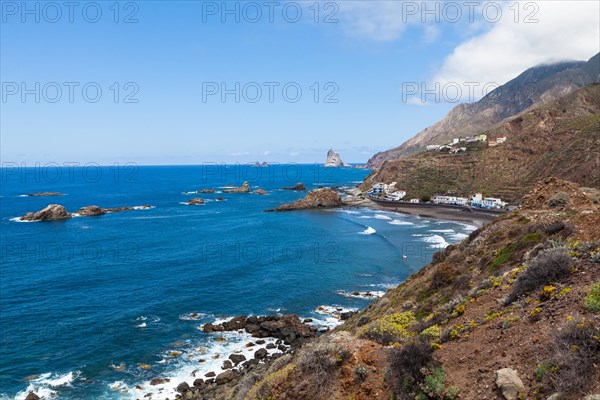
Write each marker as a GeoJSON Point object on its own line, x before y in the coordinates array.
{"type": "Point", "coordinates": [334, 160]}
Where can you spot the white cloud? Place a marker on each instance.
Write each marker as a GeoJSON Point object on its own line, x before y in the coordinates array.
{"type": "Point", "coordinates": [566, 30]}
{"type": "Point", "coordinates": [266, 153]}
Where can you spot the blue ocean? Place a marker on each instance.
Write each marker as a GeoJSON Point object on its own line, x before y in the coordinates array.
{"type": "Point", "coordinates": [95, 307]}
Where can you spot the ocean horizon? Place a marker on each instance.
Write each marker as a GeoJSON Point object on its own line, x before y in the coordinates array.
{"type": "Point", "coordinates": [93, 307]}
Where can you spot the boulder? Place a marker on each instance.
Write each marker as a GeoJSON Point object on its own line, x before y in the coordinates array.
{"type": "Point", "coordinates": [509, 383]}
{"type": "Point", "coordinates": [159, 381]}
{"type": "Point", "coordinates": [298, 187]}
{"type": "Point", "coordinates": [227, 365]}
{"type": "Point", "coordinates": [245, 188]}
{"type": "Point", "coordinates": [225, 377]}
{"type": "Point", "coordinates": [210, 374]}
{"type": "Point", "coordinates": [196, 201]}
{"type": "Point", "coordinates": [183, 387]}
{"type": "Point", "coordinates": [32, 396]}
{"type": "Point", "coordinates": [237, 358]}
{"type": "Point", "coordinates": [207, 191]}
{"type": "Point", "coordinates": [260, 191]}
{"type": "Point", "coordinates": [91, 211]}
{"type": "Point", "coordinates": [320, 198]}
{"type": "Point", "coordinates": [53, 212]}
{"type": "Point", "coordinates": [199, 383]}
{"type": "Point", "coordinates": [260, 354]}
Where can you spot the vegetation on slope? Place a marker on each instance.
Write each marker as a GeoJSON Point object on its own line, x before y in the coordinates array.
{"type": "Point", "coordinates": [519, 293]}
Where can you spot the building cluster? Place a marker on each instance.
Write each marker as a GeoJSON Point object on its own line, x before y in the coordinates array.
{"type": "Point", "coordinates": [391, 193]}
{"type": "Point", "coordinates": [456, 147]}
{"type": "Point", "coordinates": [476, 200]}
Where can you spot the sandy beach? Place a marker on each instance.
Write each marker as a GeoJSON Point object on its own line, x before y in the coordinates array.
{"type": "Point", "coordinates": [478, 219]}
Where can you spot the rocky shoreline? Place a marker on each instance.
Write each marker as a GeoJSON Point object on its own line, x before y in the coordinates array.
{"type": "Point", "coordinates": [57, 212]}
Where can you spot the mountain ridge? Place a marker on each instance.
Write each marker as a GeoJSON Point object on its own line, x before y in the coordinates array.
{"type": "Point", "coordinates": [534, 87]}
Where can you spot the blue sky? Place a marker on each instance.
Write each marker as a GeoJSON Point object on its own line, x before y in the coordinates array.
{"type": "Point", "coordinates": [177, 49]}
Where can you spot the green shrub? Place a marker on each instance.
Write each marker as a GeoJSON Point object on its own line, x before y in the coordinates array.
{"type": "Point", "coordinates": [408, 364]}
{"type": "Point", "coordinates": [503, 255]}
{"type": "Point", "coordinates": [592, 300]}
{"type": "Point", "coordinates": [541, 371]}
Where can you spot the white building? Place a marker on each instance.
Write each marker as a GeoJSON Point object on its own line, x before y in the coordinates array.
{"type": "Point", "coordinates": [414, 200]}
{"type": "Point", "coordinates": [462, 201]}
{"type": "Point", "coordinates": [444, 199]}
{"type": "Point", "coordinates": [398, 195]}
{"type": "Point", "coordinates": [500, 139]}
{"type": "Point", "coordinates": [455, 140]}
{"type": "Point", "coordinates": [491, 202]}
{"type": "Point", "coordinates": [378, 188]}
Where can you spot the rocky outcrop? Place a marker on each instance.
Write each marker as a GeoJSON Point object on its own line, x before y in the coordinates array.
{"type": "Point", "coordinates": [509, 383]}
{"type": "Point", "coordinates": [206, 191]}
{"type": "Point", "coordinates": [53, 212]}
{"type": "Point", "coordinates": [32, 396]}
{"type": "Point", "coordinates": [91, 211]}
{"type": "Point", "coordinates": [334, 160]}
{"type": "Point", "coordinates": [288, 328]}
{"type": "Point", "coordinates": [242, 189]}
{"type": "Point", "coordinates": [196, 201]}
{"type": "Point", "coordinates": [44, 194]}
{"type": "Point", "coordinates": [260, 191]}
{"type": "Point", "coordinates": [298, 187]}
{"type": "Point", "coordinates": [320, 198]}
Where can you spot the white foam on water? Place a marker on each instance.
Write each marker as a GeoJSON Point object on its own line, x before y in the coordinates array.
{"type": "Point", "coordinates": [442, 230]}
{"type": "Point", "coordinates": [193, 360]}
{"type": "Point", "coordinates": [46, 384]}
{"type": "Point", "coordinates": [436, 241]}
{"type": "Point", "coordinates": [193, 316]}
{"type": "Point", "coordinates": [18, 219]}
{"type": "Point", "coordinates": [400, 222]}
{"type": "Point", "coordinates": [382, 216]}
{"type": "Point", "coordinates": [368, 231]}
{"type": "Point", "coordinates": [366, 217]}
{"type": "Point", "coordinates": [330, 316]}
{"type": "Point", "coordinates": [459, 236]}
{"type": "Point", "coordinates": [369, 295]}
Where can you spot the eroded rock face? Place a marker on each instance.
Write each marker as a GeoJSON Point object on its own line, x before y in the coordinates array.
{"type": "Point", "coordinates": [509, 383]}
{"type": "Point", "coordinates": [91, 211]}
{"type": "Point", "coordinates": [320, 198]}
{"type": "Point", "coordinates": [245, 188]}
{"type": "Point", "coordinates": [53, 212]}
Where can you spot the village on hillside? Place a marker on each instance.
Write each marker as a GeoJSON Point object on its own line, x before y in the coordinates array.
{"type": "Point", "coordinates": [456, 147]}
{"type": "Point", "coordinates": [389, 192]}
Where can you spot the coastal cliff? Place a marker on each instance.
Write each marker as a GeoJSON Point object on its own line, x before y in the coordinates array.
{"type": "Point", "coordinates": [451, 330]}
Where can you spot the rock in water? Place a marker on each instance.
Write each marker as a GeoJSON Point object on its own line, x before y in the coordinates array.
{"type": "Point", "coordinates": [32, 396]}
{"type": "Point", "coordinates": [44, 194]}
{"type": "Point", "coordinates": [242, 189]}
{"type": "Point", "coordinates": [320, 198]}
{"type": "Point", "coordinates": [334, 160]}
{"type": "Point", "coordinates": [52, 212]}
{"type": "Point", "coordinates": [195, 201]}
{"type": "Point", "coordinates": [91, 211]}
{"type": "Point", "coordinates": [298, 187]}
{"type": "Point", "coordinates": [509, 383]}
{"type": "Point", "coordinates": [260, 191]}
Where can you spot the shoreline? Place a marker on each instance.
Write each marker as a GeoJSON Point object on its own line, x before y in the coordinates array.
{"type": "Point", "coordinates": [448, 214]}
